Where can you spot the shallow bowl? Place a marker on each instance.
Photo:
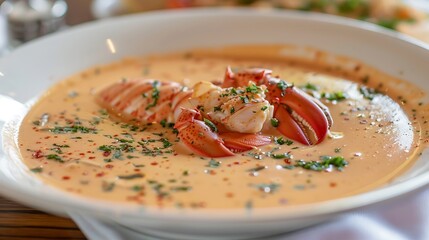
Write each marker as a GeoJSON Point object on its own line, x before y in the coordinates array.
{"type": "Point", "coordinates": [29, 70]}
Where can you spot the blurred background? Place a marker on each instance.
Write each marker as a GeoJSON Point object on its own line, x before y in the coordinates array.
{"type": "Point", "coordinates": [24, 20]}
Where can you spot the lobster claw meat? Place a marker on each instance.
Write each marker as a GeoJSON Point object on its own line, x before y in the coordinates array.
{"type": "Point", "coordinates": [300, 116]}
{"type": "Point", "coordinates": [197, 135]}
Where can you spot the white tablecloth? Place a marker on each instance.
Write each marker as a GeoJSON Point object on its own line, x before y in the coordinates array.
{"type": "Point", "coordinates": [403, 218]}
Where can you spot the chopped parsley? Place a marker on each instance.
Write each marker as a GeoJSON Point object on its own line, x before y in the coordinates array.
{"type": "Point", "coordinates": [54, 157]}
{"type": "Point", "coordinates": [210, 124]}
{"type": "Point", "coordinates": [267, 188]}
{"type": "Point", "coordinates": [368, 93]}
{"type": "Point", "coordinates": [334, 96]}
{"type": "Point", "coordinates": [131, 176]}
{"type": "Point", "coordinates": [217, 109]}
{"type": "Point", "coordinates": [213, 163]}
{"type": "Point", "coordinates": [155, 95]}
{"type": "Point", "coordinates": [37, 169]}
{"type": "Point", "coordinates": [326, 162]}
{"type": "Point", "coordinates": [73, 129]}
{"type": "Point", "coordinates": [257, 169]}
{"type": "Point", "coordinates": [244, 99]}
{"type": "Point", "coordinates": [282, 85]}
{"type": "Point", "coordinates": [274, 122]}
{"type": "Point", "coordinates": [310, 86]}
{"type": "Point", "coordinates": [253, 89]}
{"type": "Point", "coordinates": [282, 141]}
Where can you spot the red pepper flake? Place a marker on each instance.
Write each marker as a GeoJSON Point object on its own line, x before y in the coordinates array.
{"type": "Point", "coordinates": [66, 177]}
{"type": "Point", "coordinates": [287, 161]}
{"type": "Point", "coordinates": [109, 166]}
{"type": "Point", "coordinates": [82, 154]}
{"type": "Point", "coordinates": [237, 163]}
{"type": "Point", "coordinates": [106, 153]}
{"type": "Point", "coordinates": [37, 154]}
{"type": "Point", "coordinates": [136, 170]}
{"type": "Point", "coordinates": [153, 163]}
{"type": "Point", "coordinates": [47, 137]}
{"type": "Point", "coordinates": [100, 174]}
{"type": "Point", "coordinates": [91, 158]}
{"type": "Point", "coordinates": [88, 151]}
{"type": "Point", "coordinates": [332, 184]}
{"type": "Point", "coordinates": [229, 195]}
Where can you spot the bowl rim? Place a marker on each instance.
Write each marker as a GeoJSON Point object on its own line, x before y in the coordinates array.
{"type": "Point", "coordinates": [70, 202]}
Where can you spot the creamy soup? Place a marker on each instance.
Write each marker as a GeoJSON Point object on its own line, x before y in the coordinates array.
{"type": "Point", "coordinates": [67, 140]}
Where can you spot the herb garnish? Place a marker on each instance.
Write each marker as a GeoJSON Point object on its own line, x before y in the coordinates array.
{"type": "Point", "coordinates": [326, 162]}
{"type": "Point", "coordinates": [155, 95]}
{"type": "Point", "coordinates": [267, 188]}
{"type": "Point", "coordinates": [213, 163]}
{"type": "Point", "coordinates": [334, 96]}
{"type": "Point", "coordinates": [54, 157]}
{"type": "Point", "coordinates": [257, 169]}
{"type": "Point", "coordinates": [132, 176]}
{"type": "Point", "coordinates": [368, 93]}
{"type": "Point", "coordinates": [210, 124]}
{"type": "Point", "coordinates": [274, 122]}
{"type": "Point", "coordinates": [37, 169]}
{"type": "Point", "coordinates": [282, 141]}
{"type": "Point", "coordinates": [73, 129]}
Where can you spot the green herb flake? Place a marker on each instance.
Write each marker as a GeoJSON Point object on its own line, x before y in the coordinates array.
{"type": "Point", "coordinates": [130, 177]}
{"type": "Point", "coordinates": [253, 89]}
{"type": "Point", "coordinates": [244, 99]}
{"type": "Point", "coordinates": [274, 122]}
{"type": "Point", "coordinates": [163, 123]}
{"type": "Point", "coordinates": [232, 110]}
{"type": "Point", "coordinates": [107, 186]}
{"type": "Point", "coordinates": [210, 124]}
{"type": "Point", "coordinates": [326, 162]}
{"type": "Point", "coordinates": [137, 188]}
{"type": "Point", "coordinates": [37, 169]}
{"type": "Point", "coordinates": [334, 96]}
{"type": "Point", "coordinates": [155, 95]}
{"type": "Point", "coordinates": [267, 188]}
{"type": "Point", "coordinates": [181, 188]}
{"type": "Point", "coordinates": [282, 141]}
{"type": "Point", "coordinates": [213, 163]}
{"type": "Point", "coordinates": [282, 85]}
{"type": "Point", "coordinates": [73, 129]}
{"type": "Point", "coordinates": [310, 86]}
{"type": "Point", "coordinates": [348, 6]}
{"type": "Point", "coordinates": [368, 93]}
{"type": "Point", "coordinates": [54, 157]}
{"type": "Point", "coordinates": [281, 156]}
{"type": "Point", "coordinates": [257, 169]}
{"type": "Point", "coordinates": [217, 109]}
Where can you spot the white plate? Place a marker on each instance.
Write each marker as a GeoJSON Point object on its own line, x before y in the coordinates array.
{"type": "Point", "coordinates": [29, 70]}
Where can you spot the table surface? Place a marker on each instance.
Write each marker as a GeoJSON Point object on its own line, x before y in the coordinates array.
{"type": "Point", "coordinates": [20, 222]}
